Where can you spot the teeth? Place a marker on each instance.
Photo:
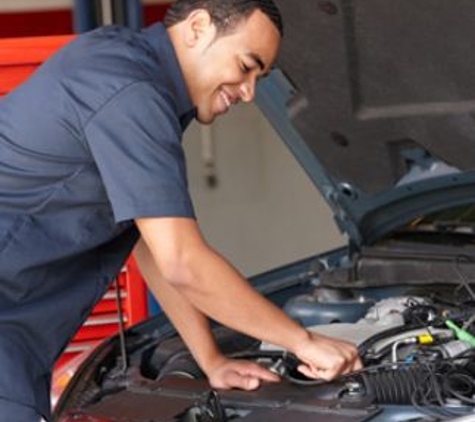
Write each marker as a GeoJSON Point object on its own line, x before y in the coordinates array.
{"type": "Point", "coordinates": [226, 100]}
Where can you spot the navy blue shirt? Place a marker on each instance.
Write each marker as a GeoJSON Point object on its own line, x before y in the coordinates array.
{"type": "Point", "coordinates": [89, 143]}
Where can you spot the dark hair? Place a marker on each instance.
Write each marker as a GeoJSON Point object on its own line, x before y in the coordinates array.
{"type": "Point", "coordinates": [225, 14]}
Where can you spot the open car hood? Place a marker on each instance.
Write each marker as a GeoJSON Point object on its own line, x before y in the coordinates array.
{"type": "Point", "coordinates": [375, 98]}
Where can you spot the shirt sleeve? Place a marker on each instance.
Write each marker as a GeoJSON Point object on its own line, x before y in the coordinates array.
{"type": "Point", "coordinates": [135, 140]}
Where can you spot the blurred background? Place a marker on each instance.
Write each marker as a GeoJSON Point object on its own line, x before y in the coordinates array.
{"type": "Point", "coordinates": [254, 203]}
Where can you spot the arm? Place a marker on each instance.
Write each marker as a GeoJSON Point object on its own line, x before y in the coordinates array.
{"type": "Point", "coordinates": [194, 328]}
{"type": "Point", "coordinates": [217, 290]}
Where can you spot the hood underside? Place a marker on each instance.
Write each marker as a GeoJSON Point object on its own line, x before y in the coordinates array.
{"type": "Point", "coordinates": [378, 92]}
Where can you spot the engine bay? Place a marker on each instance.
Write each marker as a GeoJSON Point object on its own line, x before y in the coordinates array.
{"type": "Point", "coordinates": [416, 341]}
{"type": "Point", "coordinates": [417, 350]}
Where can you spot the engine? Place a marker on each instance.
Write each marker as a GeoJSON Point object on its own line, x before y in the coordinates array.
{"type": "Point", "coordinates": [416, 351]}
{"type": "Point", "coordinates": [417, 348]}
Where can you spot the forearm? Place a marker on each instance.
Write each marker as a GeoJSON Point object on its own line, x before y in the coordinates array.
{"type": "Point", "coordinates": [192, 324]}
{"type": "Point", "coordinates": [213, 286]}
{"type": "Point", "coordinates": [223, 294]}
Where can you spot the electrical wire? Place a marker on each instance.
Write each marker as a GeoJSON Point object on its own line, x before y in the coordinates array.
{"type": "Point", "coordinates": [426, 384]}
{"type": "Point", "coordinates": [430, 393]}
{"type": "Point", "coordinates": [469, 322]}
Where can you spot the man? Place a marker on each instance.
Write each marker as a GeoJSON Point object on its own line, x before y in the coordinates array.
{"type": "Point", "coordinates": [91, 165]}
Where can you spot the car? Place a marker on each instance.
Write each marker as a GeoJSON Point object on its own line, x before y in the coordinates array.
{"type": "Point", "coordinates": [375, 99]}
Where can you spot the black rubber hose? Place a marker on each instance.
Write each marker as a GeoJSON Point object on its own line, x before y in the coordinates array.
{"type": "Point", "coordinates": [395, 386]}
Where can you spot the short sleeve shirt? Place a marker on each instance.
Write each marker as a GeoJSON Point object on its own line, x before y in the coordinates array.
{"type": "Point", "coordinates": [89, 143]}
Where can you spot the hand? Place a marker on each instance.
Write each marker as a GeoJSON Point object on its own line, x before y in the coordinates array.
{"type": "Point", "coordinates": [242, 374]}
{"type": "Point", "coordinates": [326, 358]}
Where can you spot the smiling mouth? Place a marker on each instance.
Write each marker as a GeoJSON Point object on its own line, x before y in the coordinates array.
{"type": "Point", "coordinates": [227, 101]}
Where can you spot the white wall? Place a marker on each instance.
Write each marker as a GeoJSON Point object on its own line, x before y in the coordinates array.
{"type": "Point", "coordinates": [264, 211]}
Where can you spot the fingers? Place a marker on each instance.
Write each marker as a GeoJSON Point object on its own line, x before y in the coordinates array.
{"type": "Point", "coordinates": [322, 358]}
{"type": "Point", "coordinates": [244, 375]}
{"type": "Point", "coordinates": [325, 373]}
{"type": "Point", "coordinates": [308, 372]}
{"type": "Point", "coordinates": [233, 379]}
{"type": "Point", "coordinates": [328, 372]}
{"type": "Point", "coordinates": [326, 358]}
{"type": "Point", "coordinates": [352, 361]}
{"type": "Point", "coordinates": [357, 365]}
{"type": "Point", "coordinates": [256, 370]}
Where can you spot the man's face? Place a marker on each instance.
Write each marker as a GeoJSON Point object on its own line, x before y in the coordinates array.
{"type": "Point", "coordinates": [225, 68]}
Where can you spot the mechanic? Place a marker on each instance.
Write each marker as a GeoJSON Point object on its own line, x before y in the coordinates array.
{"type": "Point", "coordinates": [91, 165]}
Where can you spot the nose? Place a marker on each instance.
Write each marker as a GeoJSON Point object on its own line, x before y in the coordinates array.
{"type": "Point", "coordinates": [247, 90]}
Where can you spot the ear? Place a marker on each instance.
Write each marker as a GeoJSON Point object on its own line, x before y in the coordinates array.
{"type": "Point", "coordinates": [198, 28]}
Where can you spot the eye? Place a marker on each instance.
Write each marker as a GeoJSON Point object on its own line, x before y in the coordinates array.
{"type": "Point", "coordinates": [245, 68]}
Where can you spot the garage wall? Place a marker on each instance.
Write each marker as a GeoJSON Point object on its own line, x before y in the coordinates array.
{"type": "Point", "coordinates": [264, 211]}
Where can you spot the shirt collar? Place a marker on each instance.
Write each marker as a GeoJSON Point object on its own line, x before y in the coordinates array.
{"type": "Point", "coordinates": [157, 36]}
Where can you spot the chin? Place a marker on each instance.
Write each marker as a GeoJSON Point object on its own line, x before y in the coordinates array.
{"type": "Point", "coordinates": [205, 120]}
